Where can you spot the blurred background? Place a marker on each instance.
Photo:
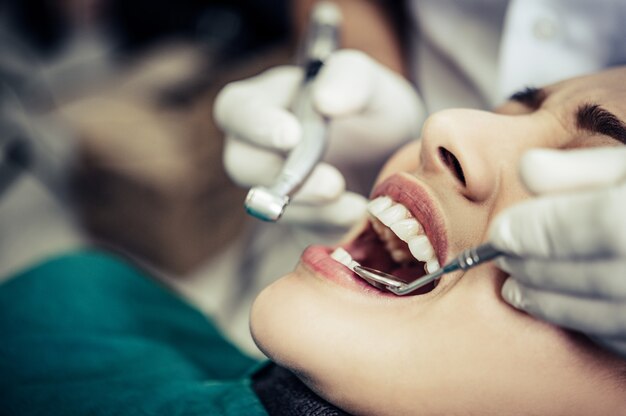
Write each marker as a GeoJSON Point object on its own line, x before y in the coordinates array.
{"type": "Point", "coordinates": [107, 137]}
{"type": "Point", "coordinates": [126, 89]}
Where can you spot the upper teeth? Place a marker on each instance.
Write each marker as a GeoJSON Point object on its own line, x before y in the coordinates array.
{"type": "Point", "coordinates": [400, 221]}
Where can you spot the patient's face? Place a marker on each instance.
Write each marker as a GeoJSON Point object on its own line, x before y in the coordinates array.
{"type": "Point", "coordinates": [458, 348]}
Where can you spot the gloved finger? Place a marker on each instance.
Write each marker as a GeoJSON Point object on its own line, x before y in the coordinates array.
{"type": "Point", "coordinates": [595, 317]}
{"type": "Point", "coordinates": [249, 165]}
{"type": "Point", "coordinates": [254, 110]}
{"type": "Point", "coordinates": [345, 83]}
{"type": "Point", "coordinates": [376, 108]}
{"type": "Point", "coordinates": [343, 212]}
{"type": "Point", "coordinates": [325, 184]}
{"type": "Point", "coordinates": [548, 170]}
{"type": "Point", "coordinates": [599, 279]}
{"type": "Point", "coordinates": [351, 82]}
{"type": "Point", "coordinates": [585, 225]}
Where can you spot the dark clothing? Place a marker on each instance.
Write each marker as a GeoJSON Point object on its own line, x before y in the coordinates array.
{"type": "Point", "coordinates": [282, 393]}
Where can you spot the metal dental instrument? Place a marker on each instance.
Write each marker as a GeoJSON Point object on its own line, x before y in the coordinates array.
{"type": "Point", "coordinates": [464, 261]}
{"type": "Point", "coordinates": [268, 203]}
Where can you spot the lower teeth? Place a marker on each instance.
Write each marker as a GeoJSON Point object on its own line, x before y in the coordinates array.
{"type": "Point", "coordinates": [343, 257]}
{"type": "Point", "coordinates": [431, 266]}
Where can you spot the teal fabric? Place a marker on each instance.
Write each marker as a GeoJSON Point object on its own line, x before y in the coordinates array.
{"type": "Point", "coordinates": [88, 333]}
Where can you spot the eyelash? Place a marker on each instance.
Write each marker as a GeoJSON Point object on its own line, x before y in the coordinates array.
{"type": "Point", "coordinates": [594, 118]}
{"type": "Point", "coordinates": [530, 96]}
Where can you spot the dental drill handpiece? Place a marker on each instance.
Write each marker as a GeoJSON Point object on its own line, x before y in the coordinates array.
{"type": "Point", "coordinates": [268, 203]}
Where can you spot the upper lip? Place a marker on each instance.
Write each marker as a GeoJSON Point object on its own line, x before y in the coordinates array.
{"type": "Point", "coordinates": [416, 198]}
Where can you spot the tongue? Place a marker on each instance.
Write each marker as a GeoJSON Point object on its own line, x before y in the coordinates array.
{"type": "Point", "coordinates": [368, 250]}
{"type": "Point", "coordinates": [410, 272]}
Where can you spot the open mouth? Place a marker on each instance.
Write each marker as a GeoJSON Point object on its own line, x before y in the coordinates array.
{"type": "Point", "coordinates": [394, 242]}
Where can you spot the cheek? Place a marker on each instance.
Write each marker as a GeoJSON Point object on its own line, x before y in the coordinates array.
{"type": "Point", "coordinates": [407, 159]}
{"type": "Point", "coordinates": [512, 192]}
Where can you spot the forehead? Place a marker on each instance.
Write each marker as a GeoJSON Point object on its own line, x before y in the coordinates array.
{"type": "Point", "coordinates": [607, 88]}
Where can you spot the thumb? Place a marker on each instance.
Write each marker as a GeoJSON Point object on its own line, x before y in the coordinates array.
{"type": "Point", "coordinates": [345, 83]}
{"type": "Point", "coordinates": [584, 225]}
{"type": "Point", "coordinates": [254, 109]}
{"type": "Point", "coordinates": [547, 171]}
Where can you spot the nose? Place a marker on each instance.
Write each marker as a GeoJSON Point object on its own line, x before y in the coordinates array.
{"type": "Point", "coordinates": [470, 148]}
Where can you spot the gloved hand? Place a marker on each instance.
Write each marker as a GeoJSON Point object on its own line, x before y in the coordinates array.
{"type": "Point", "coordinates": [571, 242]}
{"type": "Point", "coordinates": [372, 110]}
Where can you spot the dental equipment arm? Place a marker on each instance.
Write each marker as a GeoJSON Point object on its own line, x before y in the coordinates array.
{"type": "Point", "coordinates": [31, 144]}
{"type": "Point", "coordinates": [370, 26]}
{"type": "Point", "coordinates": [570, 242]}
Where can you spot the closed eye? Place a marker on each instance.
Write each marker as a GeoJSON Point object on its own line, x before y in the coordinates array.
{"type": "Point", "coordinates": [530, 97]}
{"type": "Point", "coordinates": [595, 119]}
{"type": "Point", "coordinates": [589, 117]}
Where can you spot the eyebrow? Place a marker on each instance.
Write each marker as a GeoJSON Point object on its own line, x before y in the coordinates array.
{"type": "Point", "coordinates": [595, 119]}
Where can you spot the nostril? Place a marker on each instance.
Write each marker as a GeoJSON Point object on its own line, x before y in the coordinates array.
{"type": "Point", "coordinates": [452, 163]}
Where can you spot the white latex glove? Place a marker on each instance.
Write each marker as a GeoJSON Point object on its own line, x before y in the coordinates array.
{"type": "Point", "coordinates": [571, 242]}
{"type": "Point", "coordinates": [372, 110]}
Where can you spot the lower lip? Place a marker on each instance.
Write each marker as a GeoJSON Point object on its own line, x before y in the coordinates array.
{"type": "Point", "coordinates": [318, 260]}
